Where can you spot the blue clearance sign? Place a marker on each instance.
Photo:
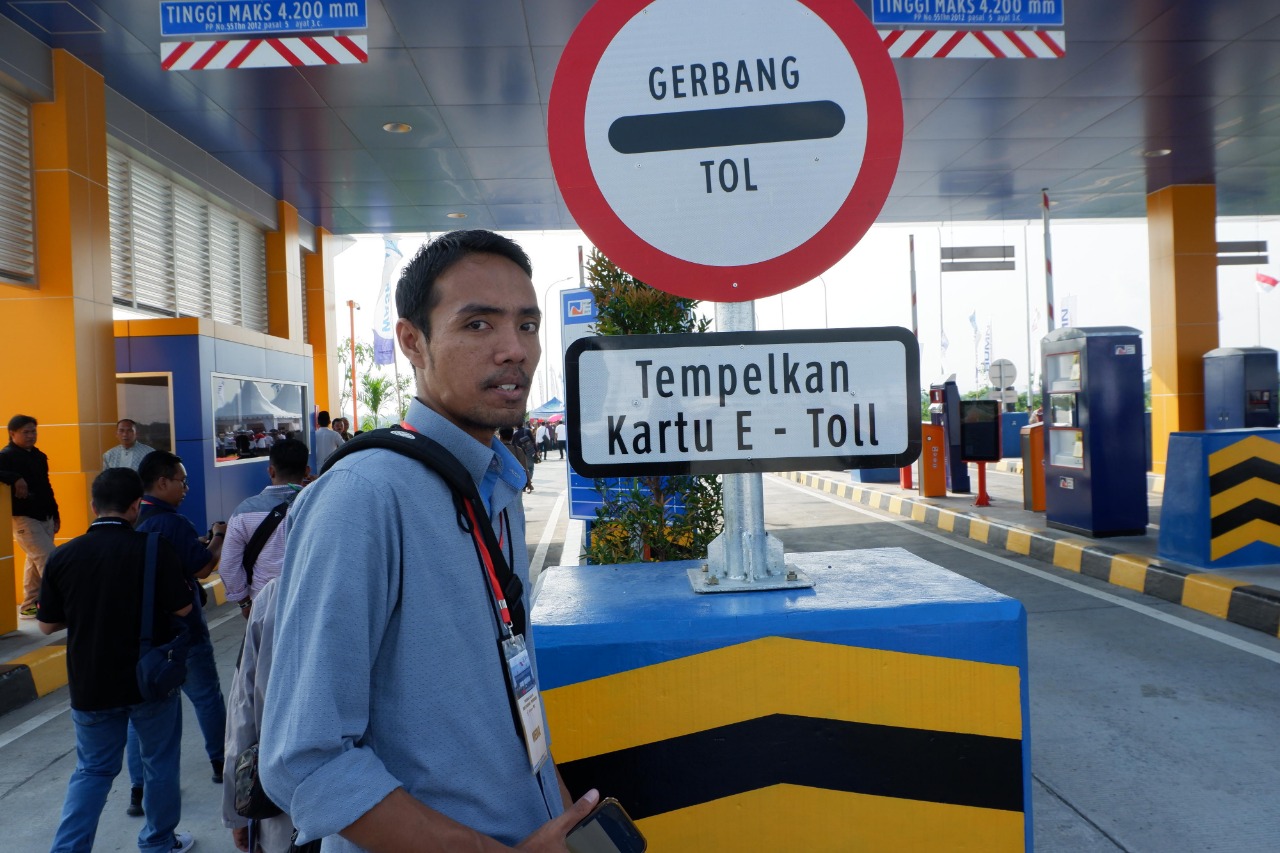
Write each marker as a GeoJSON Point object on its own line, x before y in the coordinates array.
{"type": "Point", "coordinates": [259, 17]}
{"type": "Point", "coordinates": [967, 13]}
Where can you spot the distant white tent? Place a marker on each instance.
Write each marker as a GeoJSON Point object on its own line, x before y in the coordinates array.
{"type": "Point", "coordinates": [548, 409]}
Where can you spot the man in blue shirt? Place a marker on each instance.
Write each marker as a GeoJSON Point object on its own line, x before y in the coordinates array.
{"type": "Point", "coordinates": [388, 723]}
{"type": "Point", "coordinates": [164, 479]}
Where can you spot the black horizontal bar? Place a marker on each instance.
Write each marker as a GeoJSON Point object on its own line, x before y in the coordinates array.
{"type": "Point", "coordinates": [1238, 246]}
{"type": "Point", "coordinates": [1241, 260]}
{"type": "Point", "coordinates": [720, 128]}
{"type": "Point", "coordinates": [977, 266]}
{"type": "Point", "coordinates": [977, 253]}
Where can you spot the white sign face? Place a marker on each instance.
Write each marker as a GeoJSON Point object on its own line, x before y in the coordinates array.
{"type": "Point", "coordinates": [1002, 373]}
{"type": "Point", "coordinates": [755, 133]}
{"type": "Point", "coordinates": [733, 402]}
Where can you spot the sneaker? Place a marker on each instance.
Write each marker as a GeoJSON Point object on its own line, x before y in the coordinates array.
{"type": "Point", "coordinates": [27, 612]}
{"type": "Point", "coordinates": [182, 842]}
{"type": "Point", "coordinates": [217, 771]}
{"type": "Point", "coordinates": [135, 802]}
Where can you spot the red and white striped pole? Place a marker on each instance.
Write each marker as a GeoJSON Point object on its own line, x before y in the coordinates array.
{"type": "Point", "coordinates": [1048, 256]}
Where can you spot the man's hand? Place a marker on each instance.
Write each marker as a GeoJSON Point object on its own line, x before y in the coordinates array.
{"type": "Point", "coordinates": [20, 489]}
{"type": "Point", "coordinates": [550, 836]}
{"type": "Point", "coordinates": [240, 835]}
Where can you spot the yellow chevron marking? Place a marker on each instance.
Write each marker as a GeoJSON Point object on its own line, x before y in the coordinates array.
{"type": "Point", "coordinates": [1246, 534]}
{"type": "Point", "coordinates": [895, 505]}
{"type": "Point", "coordinates": [1129, 571]}
{"type": "Point", "coordinates": [979, 530]}
{"type": "Point", "coordinates": [48, 666]}
{"type": "Point", "coordinates": [1209, 593]}
{"type": "Point", "coordinates": [1067, 554]}
{"type": "Point", "coordinates": [947, 521]}
{"type": "Point", "coordinates": [919, 512]}
{"type": "Point", "coordinates": [819, 820]}
{"type": "Point", "coordinates": [775, 675]}
{"type": "Point", "coordinates": [1255, 488]}
{"type": "Point", "coordinates": [1253, 447]}
{"type": "Point", "coordinates": [1019, 542]}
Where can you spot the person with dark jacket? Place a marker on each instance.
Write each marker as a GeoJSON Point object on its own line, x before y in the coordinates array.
{"type": "Point", "coordinates": [25, 469]}
{"type": "Point", "coordinates": [93, 588]}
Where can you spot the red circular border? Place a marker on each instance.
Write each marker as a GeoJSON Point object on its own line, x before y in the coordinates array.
{"type": "Point", "coordinates": [567, 141]}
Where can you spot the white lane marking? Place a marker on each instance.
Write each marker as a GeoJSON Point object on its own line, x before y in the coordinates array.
{"type": "Point", "coordinates": [540, 555]}
{"type": "Point", "coordinates": [32, 724]}
{"type": "Point", "coordinates": [1159, 615]}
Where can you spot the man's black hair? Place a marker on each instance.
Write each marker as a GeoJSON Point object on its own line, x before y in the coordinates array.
{"type": "Point", "coordinates": [115, 489]}
{"type": "Point", "coordinates": [290, 457]}
{"type": "Point", "coordinates": [130, 421]}
{"type": "Point", "coordinates": [322, 419]}
{"type": "Point", "coordinates": [156, 465]}
{"type": "Point", "coordinates": [505, 433]}
{"type": "Point", "coordinates": [18, 422]}
{"type": "Point", "coordinates": [416, 294]}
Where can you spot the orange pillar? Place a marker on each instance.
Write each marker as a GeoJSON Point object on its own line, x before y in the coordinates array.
{"type": "Point", "coordinates": [321, 320]}
{"type": "Point", "coordinates": [284, 276]}
{"type": "Point", "coordinates": [1182, 236]}
{"type": "Point", "coordinates": [58, 334]}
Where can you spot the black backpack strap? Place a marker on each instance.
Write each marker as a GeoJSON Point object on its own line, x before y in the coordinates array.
{"type": "Point", "coordinates": [431, 454]}
{"type": "Point", "coordinates": [260, 536]}
{"type": "Point", "coordinates": [148, 594]}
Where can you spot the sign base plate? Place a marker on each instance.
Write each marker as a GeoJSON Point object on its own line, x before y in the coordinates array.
{"type": "Point", "coordinates": [704, 582]}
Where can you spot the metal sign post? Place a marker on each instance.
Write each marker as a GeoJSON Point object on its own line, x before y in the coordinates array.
{"type": "Point", "coordinates": [744, 556]}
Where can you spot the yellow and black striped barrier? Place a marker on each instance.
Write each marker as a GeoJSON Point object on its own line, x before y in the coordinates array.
{"type": "Point", "coordinates": [838, 718]}
{"type": "Point", "coordinates": [1244, 496]}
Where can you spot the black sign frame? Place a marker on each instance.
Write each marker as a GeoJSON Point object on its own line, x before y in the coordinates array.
{"type": "Point", "coordinates": [702, 467]}
{"type": "Point", "coordinates": [978, 428]}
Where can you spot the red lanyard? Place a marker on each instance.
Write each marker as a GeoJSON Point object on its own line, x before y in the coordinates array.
{"type": "Point", "coordinates": [485, 556]}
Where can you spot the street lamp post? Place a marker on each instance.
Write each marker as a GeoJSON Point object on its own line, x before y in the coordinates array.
{"type": "Point", "coordinates": [355, 415]}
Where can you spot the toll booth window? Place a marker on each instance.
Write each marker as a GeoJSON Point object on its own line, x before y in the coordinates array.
{"type": "Point", "coordinates": [251, 415]}
{"type": "Point", "coordinates": [1259, 401]}
{"type": "Point", "coordinates": [147, 400]}
{"type": "Point", "coordinates": [1062, 372]}
{"type": "Point", "coordinates": [1062, 410]}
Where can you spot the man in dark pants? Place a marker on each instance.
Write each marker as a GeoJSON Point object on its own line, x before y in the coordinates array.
{"type": "Point", "coordinates": [164, 480]}
{"type": "Point", "coordinates": [92, 588]}
{"type": "Point", "coordinates": [35, 511]}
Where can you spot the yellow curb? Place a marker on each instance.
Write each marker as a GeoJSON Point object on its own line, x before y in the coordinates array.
{"type": "Point", "coordinates": [895, 505]}
{"type": "Point", "coordinates": [1067, 554]}
{"type": "Point", "coordinates": [919, 512]}
{"type": "Point", "coordinates": [1209, 593]}
{"type": "Point", "coordinates": [1129, 571]}
{"type": "Point", "coordinates": [48, 666]}
{"type": "Point", "coordinates": [216, 589]}
{"type": "Point", "coordinates": [947, 521]}
{"type": "Point", "coordinates": [1019, 542]}
{"type": "Point", "coordinates": [979, 530]}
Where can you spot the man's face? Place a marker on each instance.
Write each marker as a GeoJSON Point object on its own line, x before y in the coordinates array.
{"type": "Point", "coordinates": [25, 437]}
{"type": "Point", "coordinates": [172, 489]}
{"type": "Point", "coordinates": [475, 368]}
{"type": "Point", "coordinates": [128, 434]}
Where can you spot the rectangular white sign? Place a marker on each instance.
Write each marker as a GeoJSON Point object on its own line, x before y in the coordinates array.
{"type": "Point", "coordinates": [743, 401]}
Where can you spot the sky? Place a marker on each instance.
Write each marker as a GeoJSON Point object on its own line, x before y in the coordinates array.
{"type": "Point", "coordinates": [1100, 278]}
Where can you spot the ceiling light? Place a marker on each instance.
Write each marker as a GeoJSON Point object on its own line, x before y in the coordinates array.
{"type": "Point", "coordinates": [397, 127]}
{"type": "Point", "coordinates": [456, 215]}
{"type": "Point", "coordinates": [1157, 152]}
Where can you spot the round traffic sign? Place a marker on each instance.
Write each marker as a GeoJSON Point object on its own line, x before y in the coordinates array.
{"type": "Point", "coordinates": [1002, 373]}
{"type": "Point", "coordinates": [725, 149]}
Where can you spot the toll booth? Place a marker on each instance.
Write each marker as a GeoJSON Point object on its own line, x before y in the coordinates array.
{"type": "Point", "coordinates": [1240, 388]}
{"type": "Point", "coordinates": [944, 401]}
{"type": "Point", "coordinates": [1095, 479]}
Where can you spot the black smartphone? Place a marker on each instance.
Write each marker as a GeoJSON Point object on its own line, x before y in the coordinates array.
{"type": "Point", "coordinates": [607, 829]}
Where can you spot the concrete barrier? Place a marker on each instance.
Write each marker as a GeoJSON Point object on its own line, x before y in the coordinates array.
{"type": "Point", "coordinates": [884, 709]}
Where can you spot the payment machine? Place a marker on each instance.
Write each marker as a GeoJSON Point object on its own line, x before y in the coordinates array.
{"type": "Point", "coordinates": [944, 408]}
{"type": "Point", "coordinates": [1240, 388]}
{"type": "Point", "coordinates": [1095, 476]}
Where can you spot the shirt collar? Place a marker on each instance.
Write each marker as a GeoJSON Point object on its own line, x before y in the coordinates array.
{"type": "Point", "coordinates": [158, 503]}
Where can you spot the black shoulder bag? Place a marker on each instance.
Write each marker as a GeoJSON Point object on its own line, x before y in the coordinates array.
{"type": "Point", "coordinates": [258, 540]}
{"type": "Point", "coordinates": [161, 669]}
{"type": "Point", "coordinates": [472, 517]}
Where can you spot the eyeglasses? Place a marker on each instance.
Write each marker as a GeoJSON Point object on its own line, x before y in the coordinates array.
{"type": "Point", "coordinates": [182, 480]}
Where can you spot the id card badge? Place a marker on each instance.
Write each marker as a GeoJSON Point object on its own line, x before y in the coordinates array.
{"type": "Point", "coordinates": [525, 688]}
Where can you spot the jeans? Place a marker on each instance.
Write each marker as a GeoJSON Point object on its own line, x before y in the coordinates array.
{"type": "Point", "coordinates": [36, 538]}
{"type": "Point", "coordinates": [205, 693]}
{"type": "Point", "coordinates": [100, 738]}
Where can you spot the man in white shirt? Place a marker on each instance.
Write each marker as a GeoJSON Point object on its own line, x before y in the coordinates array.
{"type": "Point", "coordinates": [327, 440]}
{"type": "Point", "coordinates": [130, 452]}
